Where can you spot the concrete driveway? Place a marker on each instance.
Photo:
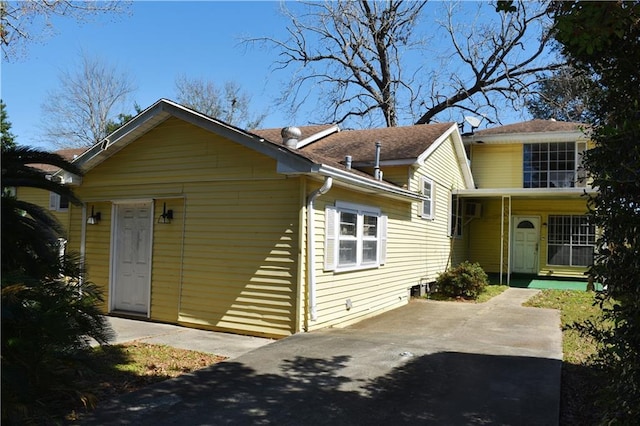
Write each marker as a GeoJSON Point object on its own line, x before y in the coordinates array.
{"type": "Point", "coordinates": [437, 363]}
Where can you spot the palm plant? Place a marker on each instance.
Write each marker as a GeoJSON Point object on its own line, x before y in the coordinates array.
{"type": "Point", "coordinates": [48, 313]}
{"type": "Point", "coordinates": [29, 232]}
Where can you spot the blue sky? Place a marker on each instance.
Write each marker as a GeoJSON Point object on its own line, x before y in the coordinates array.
{"type": "Point", "coordinates": [155, 42]}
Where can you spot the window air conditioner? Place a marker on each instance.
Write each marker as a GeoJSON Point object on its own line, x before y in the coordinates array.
{"type": "Point", "coordinates": [472, 210]}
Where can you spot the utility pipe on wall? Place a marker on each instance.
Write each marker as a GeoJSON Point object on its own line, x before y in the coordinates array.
{"type": "Point", "coordinates": [377, 175]}
{"type": "Point", "coordinates": [311, 253]}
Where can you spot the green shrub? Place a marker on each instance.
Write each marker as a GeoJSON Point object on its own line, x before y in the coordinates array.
{"type": "Point", "coordinates": [467, 280]}
{"type": "Point", "coordinates": [46, 326]}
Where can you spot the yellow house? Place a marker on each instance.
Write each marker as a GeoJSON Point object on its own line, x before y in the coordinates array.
{"type": "Point", "coordinates": [58, 206]}
{"type": "Point", "coordinates": [192, 221]}
{"type": "Point", "coordinates": [527, 213]}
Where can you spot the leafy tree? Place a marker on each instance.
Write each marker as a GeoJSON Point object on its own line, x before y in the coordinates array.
{"type": "Point", "coordinates": [121, 120]}
{"type": "Point", "coordinates": [563, 95]}
{"type": "Point", "coordinates": [603, 39]}
{"type": "Point", "coordinates": [228, 103]}
{"type": "Point", "coordinates": [355, 52]}
{"type": "Point", "coordinates": [79, 113]}
{"type": "Point", "coordinates": [8, 138]}
{"type": "Point", "coordinates": [30, 20]}
{"type": "Point", "coordinates": [48, 314]}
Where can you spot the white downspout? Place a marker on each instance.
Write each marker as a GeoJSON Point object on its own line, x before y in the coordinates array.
{"type": "Point", "coordinates": [311, 253]}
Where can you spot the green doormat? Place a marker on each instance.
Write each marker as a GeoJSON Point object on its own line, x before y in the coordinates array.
{"type": "Point", "coordinates": [561, 285]}
{"type": "Point", "coordinates": [533, 281]}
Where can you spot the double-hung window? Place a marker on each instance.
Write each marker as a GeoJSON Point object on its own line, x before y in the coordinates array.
{"type": "Point", "coordinates": [428, 190]}
{"type": "Point", "coordinates": [355, 237]}
{"type": "Point", "coordinates": [571, 241]}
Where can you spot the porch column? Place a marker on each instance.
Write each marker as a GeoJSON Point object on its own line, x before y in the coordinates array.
{"type": "Point", "coordinates": [505, 239]}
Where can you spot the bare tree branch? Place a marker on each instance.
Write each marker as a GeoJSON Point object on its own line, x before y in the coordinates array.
{"type": "Point", "coordinates": [88, 99]}
{"type": "Point", "coordinates": [506, 55]}
{"type": "Point", "coordinates": [352, 47]}
{"type": "Point", "coordinates": [228, 103]}
{"type": "Point", "coordinates": [357, 53]}
{"type": "Point", "coordinates": [31, 20]}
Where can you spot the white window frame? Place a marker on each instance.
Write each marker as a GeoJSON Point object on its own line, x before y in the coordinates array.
{"type": "Point", "coordinates": [333, 237]}
{"type": "Point", "coordinates": [54, 203]}
{"type": "Point", "coordinates": [581, 239]}
{"type": "Point", "coordinates": [430, 215]}
{"type": "Point", "coordinates": [455, 216]}
{"type": "Point", "coordinates": [549, 170]}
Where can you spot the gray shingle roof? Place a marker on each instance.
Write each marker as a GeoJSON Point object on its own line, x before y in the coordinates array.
{"type": "Point", "coordinates": [68, 154]}
{"type": "Point", "coordinates": [398, 143]}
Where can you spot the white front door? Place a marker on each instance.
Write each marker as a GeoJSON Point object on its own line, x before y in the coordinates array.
{"type": "Point", "coordinates": [132, 258]}
{"type": "Point", "coordinates": [526, 236]}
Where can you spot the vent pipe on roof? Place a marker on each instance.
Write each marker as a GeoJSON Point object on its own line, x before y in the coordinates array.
{"type": "Point", "coordinates": [347, 162]}
{"type": "Point", "coordinates": [377, 174]}
{"type": "Point", "coordinates": [290, 136]}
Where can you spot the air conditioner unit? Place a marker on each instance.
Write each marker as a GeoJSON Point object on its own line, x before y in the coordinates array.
{"type": "Point", "coordinates": [472, 210]}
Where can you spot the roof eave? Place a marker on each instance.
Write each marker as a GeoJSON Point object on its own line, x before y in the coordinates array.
{"type": "Point", "coordinates": [164, 109]}
{"type": "Point", "coordinates": [530, 137]}
{"type": "Point", "coordinates": [461, 155]}
{"type": "Point", "coordinates": [370, 186]}
{"type": "Point", "coordinates": [526, 192]}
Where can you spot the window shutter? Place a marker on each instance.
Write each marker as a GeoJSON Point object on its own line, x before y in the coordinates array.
{"type": "Point", "coordinates": [330, 238]}
{"type": "Point", "coordinates": [383, 239]}
{"type": "Point", "coordinates": [54, 200]}
{"type": "Point", "coordinates": [428, 207]}
{"type": "Point", "coordinates": [422, 206]}
{"type": "Point", "coordinates": [433, 200]}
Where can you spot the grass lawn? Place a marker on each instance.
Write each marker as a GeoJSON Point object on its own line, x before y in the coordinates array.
{"type": "Point", "coordinates": [580, 378]}
{"type": "Point", "coordinates": [117, 369]}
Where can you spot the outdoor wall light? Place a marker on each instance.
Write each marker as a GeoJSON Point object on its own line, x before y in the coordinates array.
{"type": "Point", "coordinates": [166, 216]}
{"type": "Point", "coordinates": [94, 218]}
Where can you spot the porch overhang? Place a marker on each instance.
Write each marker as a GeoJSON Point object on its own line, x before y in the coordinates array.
{"type": "Point", "coordinates": [525, 192]}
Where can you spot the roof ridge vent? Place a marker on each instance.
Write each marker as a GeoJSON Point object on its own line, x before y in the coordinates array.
{"type": "Point", "coordinates": [290, 136]}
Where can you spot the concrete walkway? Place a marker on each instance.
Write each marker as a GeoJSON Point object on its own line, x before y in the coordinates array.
{"type": "Point", "coordinates": [429, 362]}
{"type": "Point", "coordinates": [225, 344]}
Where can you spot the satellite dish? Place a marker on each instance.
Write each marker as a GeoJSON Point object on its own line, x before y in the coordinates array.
{"type": "Point", "coordinates": [474, 122]}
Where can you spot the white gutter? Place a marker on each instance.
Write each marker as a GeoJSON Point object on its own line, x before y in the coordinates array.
{"type": "Point", "coordinates": [347, 177]}
{"type": "Point", "coordinates": [311, 272]}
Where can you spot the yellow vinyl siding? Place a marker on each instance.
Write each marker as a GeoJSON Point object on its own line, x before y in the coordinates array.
{"type": "Point", "coordinates": [241, 256]}
{"type": "Point", "coordinates": [416, 248]}
{"type": "Point", "coordinates": [230, 258]}
{"type": "Point", "coordinates": [98, 247]}
{"type": "Point", "coordinates": [167, 255]}
{"type": "Point", "coordinates": [443, 168]}
{"type": "Point", "coordinates": [398, 175]}
{"type": "Point", "coordinates": [40, 197]}
{"type": "Point", "coordinates": [497, 166]}
{"type": "Point", "coordinates": [370, 290]}
{"type": "Point", "coordinates": [484, 241]}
